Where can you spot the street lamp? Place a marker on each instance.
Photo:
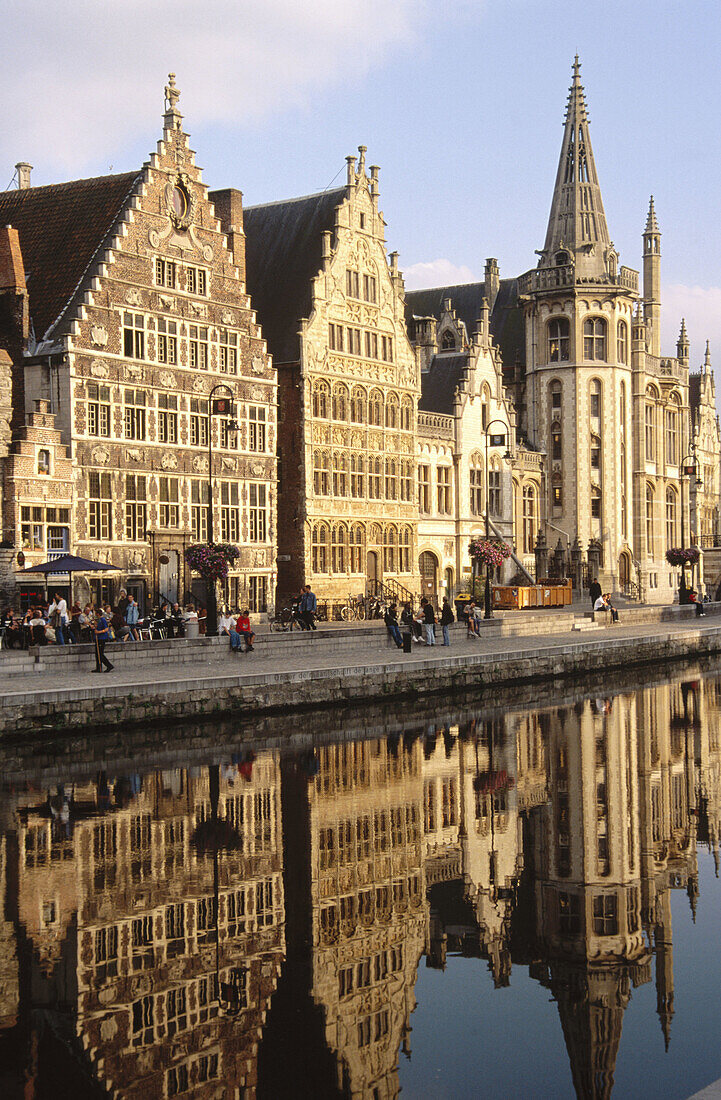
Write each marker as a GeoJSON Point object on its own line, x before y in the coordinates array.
{"type": "Point", "coordinates": [688, 469]}
{"type": "Point", "coordinates": [225, 407]}
{"type": "Point", "coordinates": [496, 441]}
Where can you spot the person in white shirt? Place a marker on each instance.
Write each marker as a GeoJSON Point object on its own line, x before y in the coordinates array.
{"type": "Point", "coordinates": [225, 623]}
{"type": "Point", "coordinates": [59, 608]}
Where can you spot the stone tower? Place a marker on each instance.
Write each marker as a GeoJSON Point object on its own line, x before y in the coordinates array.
{"type": "Point", "coordinates": [578, 308]}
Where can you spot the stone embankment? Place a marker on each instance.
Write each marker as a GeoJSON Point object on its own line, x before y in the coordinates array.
{"type": "Point", "coordinates": [51, 689]}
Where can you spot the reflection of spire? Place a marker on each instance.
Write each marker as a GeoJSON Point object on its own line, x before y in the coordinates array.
{"type": "Point", "coordinates": [663, 947]}
{"type": "Point", "coordinates": [591, 1005]}
{"type": "Point", "coordinates": [692, 892]}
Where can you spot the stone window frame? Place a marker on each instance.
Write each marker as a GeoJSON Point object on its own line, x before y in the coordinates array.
{"type": "Point", "coordinates": [558, 339]}
{"type": "Point", "coordinates": [595, 339]}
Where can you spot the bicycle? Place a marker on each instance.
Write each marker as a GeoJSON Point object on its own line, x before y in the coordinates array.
{"type": "Point", "coordinates": [284, 621]}
{"type": "Point", "coordinates": [354, 609]}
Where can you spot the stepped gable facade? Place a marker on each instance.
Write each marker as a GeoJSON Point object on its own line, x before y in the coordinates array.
{"type": "Point", "coordinates": [331, 303]}
{"type": "Point", "coordinates": [705, 447]}
{"type": "Point", "coordinates": [138, 311]}
{"type": "Point", "coordinates": [464, 398]}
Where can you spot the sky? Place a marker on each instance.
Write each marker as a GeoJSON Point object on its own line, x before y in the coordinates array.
{"type": "Point", "coordinates": [460, 103]}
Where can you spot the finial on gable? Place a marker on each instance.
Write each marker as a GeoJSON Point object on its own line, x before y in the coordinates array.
{"type": "Point", "coordinates": [707, 359]}
{"type": "Point", "coordinates": [172, 95]}
{"type": "Point", "coordinates": [362, 149]}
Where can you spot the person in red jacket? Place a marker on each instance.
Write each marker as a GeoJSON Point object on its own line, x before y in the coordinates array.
{"type": "Point", "coordinates": [243, 630]}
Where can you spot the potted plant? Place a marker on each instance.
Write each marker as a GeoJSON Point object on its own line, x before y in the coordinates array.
{"type": "Point", "coordinates": [212, 561]}
{"type": "Point", "coordinates": [491, 553]}
{"type": "Point", "coordinates": [681, 557]}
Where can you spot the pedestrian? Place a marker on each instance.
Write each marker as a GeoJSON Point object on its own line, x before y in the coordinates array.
{"type": "Point", "coordinates": [447, 617]}
{"type": "Point", "coordinates": [471, 621]}
{"type": "Point", "coordinates": [308, 607]}
{"type": "Point", "coordinates": [391, 620]}
{"type": "Point", "coordinates": [123, 601]}
{"type": "Point", "coordinates": [132, 616]}
{"type": "Point", "coordinates": [58, 618]}
{"type": "Point", "coordinates": [242, 631]}
{"type": "Point", "coordinates": [102, 632]}
{"type": "Point", "coordinates": [429, 621]}
{"type": "Point", "coordinates": [594, 592]}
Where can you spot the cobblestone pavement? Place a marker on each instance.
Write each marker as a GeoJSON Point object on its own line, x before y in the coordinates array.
{"type": "Point", "coordinates": [271, 660]}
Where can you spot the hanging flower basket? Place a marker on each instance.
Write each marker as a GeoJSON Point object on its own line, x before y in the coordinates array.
{"type": "Point", "coordinates": [491, 552]}
{"type": "Point", "coordinates": [211, 559]}
{"type": "Point", "coordinates": [680, 557]}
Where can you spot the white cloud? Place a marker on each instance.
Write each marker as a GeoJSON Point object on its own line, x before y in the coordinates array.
{"type": "Point", "coordinates": [436, 273]}
{"type": "Point", "coordinates": [81, 79]}
{"type": "Point", "coordinates": [701, 308]}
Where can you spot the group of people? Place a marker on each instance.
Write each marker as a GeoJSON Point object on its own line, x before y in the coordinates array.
{"type": "Point", "coordinates": [305, 608]}
{"type": "Point", "coordinates": [419, 625]}
{"type": "Point", "coordinates": [238, 629]}
{"type": "Point", "coordinates": [54, 623]}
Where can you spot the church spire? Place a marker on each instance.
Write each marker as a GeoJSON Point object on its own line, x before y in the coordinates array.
{"type": "Point", "coordinates": [577, 220]}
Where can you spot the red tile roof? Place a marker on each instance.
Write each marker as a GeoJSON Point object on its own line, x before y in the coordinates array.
{"type": "Point", "coordinates": [61, 228]}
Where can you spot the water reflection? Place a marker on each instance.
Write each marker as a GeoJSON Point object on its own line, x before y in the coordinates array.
{"type": "Point", "coordinates": [254, 925]}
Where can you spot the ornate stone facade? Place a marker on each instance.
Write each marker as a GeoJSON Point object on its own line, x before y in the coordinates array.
{"type": "Point", "coordinates": [159, 322]}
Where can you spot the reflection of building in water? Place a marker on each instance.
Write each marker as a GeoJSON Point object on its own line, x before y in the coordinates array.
{"type": "Point", "coordinates": [616, 835]}
{"type": "Point", "coordinates": [118, 913]}
{"type": "Point", "coordinates": [368, 915]}
{"type": "Point", "coordinates": [471, 841]}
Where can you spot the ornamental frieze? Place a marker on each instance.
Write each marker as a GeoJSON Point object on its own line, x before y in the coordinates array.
{"type": "Point", "coordinates": [99, 368]}
{"type": "Point", "coordinates": [99, 335]}
{"type": "Point", "coordinates": [100, 456]}
{"type": "Point", "coordinates": [169, 460]}
{"type": "Point", "coordinates": [133, 296]}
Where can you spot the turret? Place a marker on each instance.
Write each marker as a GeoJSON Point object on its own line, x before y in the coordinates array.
{"type": "Point", "coordinates": [682, 344]}
{"type": "Point", "coordinates": [652, 278]}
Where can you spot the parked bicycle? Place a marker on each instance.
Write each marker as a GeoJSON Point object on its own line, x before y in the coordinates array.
{"type": "Point", "coordinates": [284, 620]}
{"type": "Point", "coordinates": [354, 609]}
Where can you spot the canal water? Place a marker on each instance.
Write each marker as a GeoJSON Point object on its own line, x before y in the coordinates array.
{"type": "Point", "coordinates": [491, 897]}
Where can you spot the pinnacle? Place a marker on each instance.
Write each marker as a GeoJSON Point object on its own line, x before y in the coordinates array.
{"type": "Point", "coordinates": [651, 223]}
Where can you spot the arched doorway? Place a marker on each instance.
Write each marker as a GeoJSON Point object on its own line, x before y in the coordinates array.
{"type": "Point", "coordinates": [624, 571]}
{"type": "Point", "coordinates": [428, 564]}
{"type": "Point", "coordinates": [372, 577]}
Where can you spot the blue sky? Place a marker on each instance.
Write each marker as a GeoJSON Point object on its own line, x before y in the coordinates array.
{"type": "Point", "coordinates": [461, 104]}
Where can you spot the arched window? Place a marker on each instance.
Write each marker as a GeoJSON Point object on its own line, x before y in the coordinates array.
{"type": "Point", "coordinates": [622, 342]}
{"type": "Point", "coordinates": [477, 493]}
{"type": "Point", "coordinates": [392, 411]}
{"type": "Point", "coordinates": [406, 414]}
{"type": "Point", "coordinates": [43, 461]}
{"type": "Point", "coordinates": [494, 488]}
{"type": "Point", "coordinates": [358, 405]}
{"type": "Point", "coordinates": [375, 473]}
{"type": "Point", "coordinates": [357, 476]}
{"type": "Point", "coordinates": [321, 400]}
{"type": "Point", "coordinates": [594, 395]}
{"type": "Point", "coordinates": [650, 503]}
{"type": "Point", "coordinates": [672, 431]}
{"type": "Point", "coordinates": [356, 549]}
{"type": "Point", "coordinates": [671, 518]}
{"type": "Point", "coordinates": [596, 502]}
{"type": "Point", "coordinates": [405, 546]}
{"type": "Point", "coordinates": [321, 473]}
{"type": "Point", "coordinates": [339, 548]}
{"type": "Point", "coordinates": [391, 479]}
{"type": "Point", "coordinates": [556, 441]}
{"type": "Point", "coordinates": [561, 258]}
{"type": "Point", "coordinates": [390, 541]}
{"type": "Point", "coordinates": [340, 474]}
{"type": "Point", "coordinates": [650, 425]}
{"type": "Point", "coordinates": [375, 409]}
{"type": "Point", "coordinates": [595, 457]}
{"type": "Point", "coordinates": [530, 518]}
{"type": "Point", "coordinates": [594, 339]}
{"type": "Point", "coordinates": [556, 396]}
{"type": "Point", "coordinates": [340, 403]}
{"type": "Point", "coordinates": [448, 340]}
{"type": "Point", "coordinates": [485, 405]}
{"type": "Point", "coordinates": [319, 548]}
{"type": "Point", "coordinates": [559, 340]}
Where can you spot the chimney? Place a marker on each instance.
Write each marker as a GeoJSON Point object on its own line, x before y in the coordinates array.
{"type": "Point", "coordinates": [229, 212]}
{"type": "Point", "coordinates": [23, 170]}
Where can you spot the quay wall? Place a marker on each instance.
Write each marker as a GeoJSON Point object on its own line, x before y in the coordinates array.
{"type": "Point", "coordinates": [258, 693]}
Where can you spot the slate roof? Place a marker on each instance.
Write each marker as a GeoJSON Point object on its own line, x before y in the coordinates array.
{"type": "Point", "coordinates": [283, 253]}
{"type": "Point", "coordinates": [439, 383]}
{"type": "Point", "coordinates": [61, 228]}
{"type": "Point", "coordinates": [694, 390]}
{"type": "Point", "coordinates": [466, 299]}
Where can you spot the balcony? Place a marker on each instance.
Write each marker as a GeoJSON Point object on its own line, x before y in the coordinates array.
{"type": "Point", "coordinates": [435, 425]}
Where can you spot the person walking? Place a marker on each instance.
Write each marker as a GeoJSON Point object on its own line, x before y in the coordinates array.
{"type": "Point", "coordinates": [429, 622]}
{"type": "Point", "coordinates": [447, 617]}
{"type": "Point", "coordinates": [308, 607]}
{"type": "Point", "coordinates": [391, 620]}
{"type": "Point", "coordinates": [594, 592]}
{"type": "Point", "coordinates": [101, 630]}
{"type": "Point", "coordinates": [132, 616]}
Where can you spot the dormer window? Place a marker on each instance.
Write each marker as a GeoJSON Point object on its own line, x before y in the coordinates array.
{"type": "Point", "coordinates": [448, 341]}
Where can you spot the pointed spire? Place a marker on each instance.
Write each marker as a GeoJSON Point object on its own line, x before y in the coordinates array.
{"type": "Point", "coordinates": [577, 220]}
{"type": "Point", "coordinates": [682, 346]}
{"type": "Point", "coordinates": [651, 223]}
{"type": "Point", "coordinates": [706, 368]}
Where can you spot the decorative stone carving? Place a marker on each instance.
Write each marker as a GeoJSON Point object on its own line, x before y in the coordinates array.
{"type": "Point", "coordinates": [99, 369]}
{"type": "Point", "coordinates": [257, 394]}
{"type": "Point", "coordinates": [448, 547]}
{"type": "Point", "coordinates": [228, 318]}
{"type": "Point", "coordinates": [228, 463]}
{"type": "Point", "coordinates": [166, 301]}
{"type": "Point", "coordinates": [135, 454]}
{"type": "Point", "coordinates": [134, 372]}
{"type": "Point", "coordinates": [257, 365]}
{"type": "Point", "coordinates": [198, 309]}
{"type": "Point", "coordinates": [99, 335]}
{"type": "Point", "coordinates": [100, 456]}
{"type": "Point", "coordinates": [258, 469]}
{"type": "Point", "coordinates": [133, 296]}
{"type": "Point", "coordinates": [167, 379]}
{"type": "Point", "coordinates": [169, 461]}
{"type": "Point", "coordinates": [200, 464]}
{"type": "Point", "coordinates": [199, 385]}
{"type": "Point", "coordinates": [259, 558]}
